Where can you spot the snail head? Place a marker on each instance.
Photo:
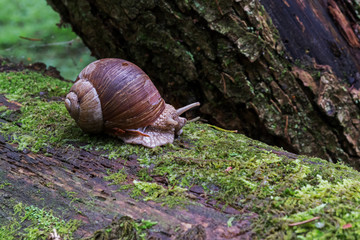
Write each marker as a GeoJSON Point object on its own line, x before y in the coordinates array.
{"type": "Point", "coordinates": [163, 130]}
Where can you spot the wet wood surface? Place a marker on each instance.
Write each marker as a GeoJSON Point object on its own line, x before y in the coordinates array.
{"type": "Point", "coordinates": [325, 30]}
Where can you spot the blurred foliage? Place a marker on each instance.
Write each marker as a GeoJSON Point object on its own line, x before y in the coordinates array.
{"type": "Point", "coordinates": [30, 34]}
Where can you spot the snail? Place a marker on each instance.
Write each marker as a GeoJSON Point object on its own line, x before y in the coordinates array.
{"type": "Point", "coordinates": [116, 97]}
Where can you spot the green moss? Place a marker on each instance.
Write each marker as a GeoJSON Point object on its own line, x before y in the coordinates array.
{"type": "Point", "coordinates": [117, 177]}
{"type": "Point", "coordinates": [143, 175]}
{"type": "Point", "coordinates": [3, 108]}
{"type": "Point", "coordinates": [331, 201]}
{"type": "Point", "coordinates": [29, 222]}
{"type": "Point", "coordinates": [171, 196]}
{"type": "Point", "coordinates": [4, 184]}
{"type": "Point", "coordinates": [231, 168]}
{"type": "Point", "coordinates": [124, 228]}
{"type": "Point", "coordinates": [17, 86]}
{"type": "Point", "coordinates": [142, 226]}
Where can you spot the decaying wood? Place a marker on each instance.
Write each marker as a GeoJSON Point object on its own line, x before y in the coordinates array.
{"type": "Point", "coordinates": [71, 183]}
{"type": "Point", "coordinates": [33, 176]}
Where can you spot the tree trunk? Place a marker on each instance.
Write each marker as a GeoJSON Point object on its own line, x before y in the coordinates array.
{"type": "Point", "coordinates": [229, 56]}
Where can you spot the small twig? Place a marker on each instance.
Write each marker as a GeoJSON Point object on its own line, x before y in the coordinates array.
{"type": "Point", "coordinates": [31, 39]}
{"type": "Point", "coordinates": [224, 82]}
{"type": "Point", "coordinates": [223, 130]}
{"type": "Point", "coordinates": [40, 45]}
{"type": "Point", "coordinates": [54, 235]}
{"type": "Point", "coordinates": [303, 222]}
{"type": "Point", "coordinates": [230, 77]}
{"type": "Point", "coordinates": [218, 6]}
{"type": "Point", "coordinates": [275, 105]}
{"type": "Point", "coordinates": [54, 44]}
{"type": "Point", "coordinates": [286, 125]}
{"type": "Point", "coordinates": [194, 119]}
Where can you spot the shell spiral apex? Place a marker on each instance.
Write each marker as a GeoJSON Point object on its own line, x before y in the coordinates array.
{"type": "Point", "coordinates": [72, 105]}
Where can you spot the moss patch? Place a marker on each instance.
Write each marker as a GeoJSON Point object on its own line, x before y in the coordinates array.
{"type": "Point", "coordinates": [279, 187]}
{"type": "Point", "coordinates": [124, 228]}
{"type": "Point", "coordinates": [30, 222]}
{"type": "Point", "coordinates": [171, 196]}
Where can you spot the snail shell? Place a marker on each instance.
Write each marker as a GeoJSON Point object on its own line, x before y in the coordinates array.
{"type": "Point", "coordinates": [115, 96]}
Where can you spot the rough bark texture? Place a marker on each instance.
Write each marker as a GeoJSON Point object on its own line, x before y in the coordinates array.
{"type": "Point", "coordinates": [228, 55]}
{"type": "Point", "coordinates": [324, 30]}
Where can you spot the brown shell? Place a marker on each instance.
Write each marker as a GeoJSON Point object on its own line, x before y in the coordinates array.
{"type": "Point", "coordinates": [127, 96]}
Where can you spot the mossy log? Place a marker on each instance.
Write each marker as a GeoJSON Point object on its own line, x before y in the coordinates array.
{"type": "Point", "coordinates": [209, 184]}
{"type": "Point", "coordinates": [72, 183]}
{"type": "Point", "coordinates": [229, 56]}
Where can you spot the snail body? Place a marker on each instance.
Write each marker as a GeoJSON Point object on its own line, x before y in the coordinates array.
{"type": "Point", "coordinates": [116, 97]}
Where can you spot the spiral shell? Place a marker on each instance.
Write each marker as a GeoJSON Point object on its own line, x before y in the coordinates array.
{"type": "Point", "coordinates": [113, 93]}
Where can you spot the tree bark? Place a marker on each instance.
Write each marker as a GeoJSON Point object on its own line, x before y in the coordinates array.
{"type": "Point", "coordinates": [229, 56]}
{"type": "Point", "coordinates": [324, 30]}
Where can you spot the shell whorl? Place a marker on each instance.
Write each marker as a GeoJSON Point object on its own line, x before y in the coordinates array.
{"type": "Point", "coordinates": [123, 94]}
{"type": "Point", "coordinates": [84, 106]}
{"type": "Point", "coordinates": [128, 98]}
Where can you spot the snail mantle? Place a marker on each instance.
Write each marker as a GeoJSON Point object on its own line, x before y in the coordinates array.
{"type": "Point", "coordinates": [116, 97]}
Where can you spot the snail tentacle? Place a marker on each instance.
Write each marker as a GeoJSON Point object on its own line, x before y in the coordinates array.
{"type": "Point", "coordinates": [180, 111]}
